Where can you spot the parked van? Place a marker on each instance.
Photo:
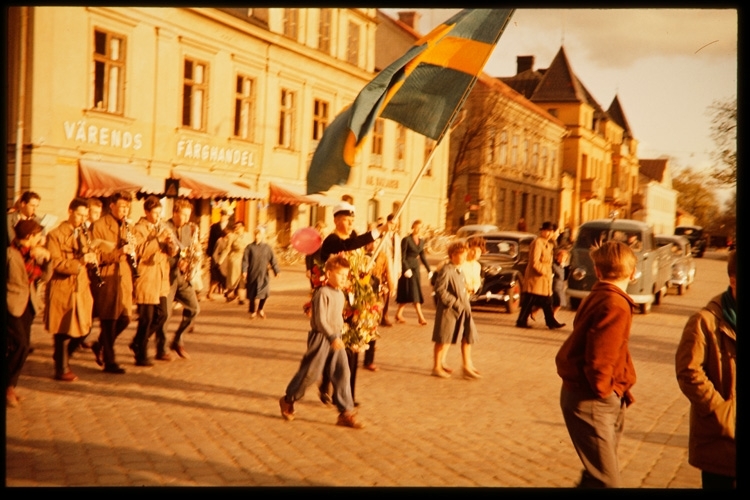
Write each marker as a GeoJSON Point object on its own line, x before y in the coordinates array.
{"type": "Point", "coordinates": [653, 266]}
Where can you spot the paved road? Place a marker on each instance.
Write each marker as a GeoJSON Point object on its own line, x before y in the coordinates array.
{"type": "Point", "coordinates": [214, 420]}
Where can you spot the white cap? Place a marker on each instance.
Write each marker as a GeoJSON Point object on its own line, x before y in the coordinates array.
{"type": "Point", "coordinates": [343, 207]}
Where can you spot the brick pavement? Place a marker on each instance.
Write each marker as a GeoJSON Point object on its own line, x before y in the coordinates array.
{"type": "Point", "coordinates": [214, 420]}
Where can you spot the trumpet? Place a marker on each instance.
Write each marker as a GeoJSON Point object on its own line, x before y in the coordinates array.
{"type": "Point", "coordinates": [132, 257]}
{"type": "Point", "coordinates": [95, 274]}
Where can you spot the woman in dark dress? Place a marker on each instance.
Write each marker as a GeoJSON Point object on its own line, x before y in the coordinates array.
{"type": "Point", "coordinates": [409, 289]}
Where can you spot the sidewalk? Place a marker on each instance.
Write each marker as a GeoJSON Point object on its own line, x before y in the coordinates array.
{"type": "Point", "coordinates": [214, 420]}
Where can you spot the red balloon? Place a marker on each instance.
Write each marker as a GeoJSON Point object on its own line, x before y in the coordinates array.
{"type": "Point", "coordinates": [306, 240]}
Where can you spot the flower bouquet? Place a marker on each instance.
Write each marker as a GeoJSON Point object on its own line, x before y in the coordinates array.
{"type": "Point", "coordinates": [363, 308]}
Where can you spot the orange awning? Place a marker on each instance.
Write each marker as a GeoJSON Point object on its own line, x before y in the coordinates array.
{"type": "Point", "coordinates": [204, 185]}
{"type": "Point", "coordinates": [99, 178]}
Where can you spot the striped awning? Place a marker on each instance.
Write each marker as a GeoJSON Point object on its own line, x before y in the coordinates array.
{"type": "Point", "coordinates": [205, 185]}
{"type": "Point", "coordinates": [284, 194]}
{"type": "Point", "coordinates": [100, 178]}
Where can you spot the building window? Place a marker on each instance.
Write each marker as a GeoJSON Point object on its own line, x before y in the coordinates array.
{"type": "Point", "coordinates": [324, 31]}
{"type": "Point", "coordinates": [244, 107]}
{"type": "Point", "coordinates": [525, 158]}
{"type": "Point", "coordinates": [514, 151]}
{"type": "Point", "coordinates": [352, 44]}
{"type": "Point", "coordinates": [109, 71]}
{"type": "Point", "coordinates": [286, 119]}
{"type": "Point", "coordinates": [320, 119]}
{"type": "Point", "coordinates": [429, 147]}
{"type": "Point", "coordinates": [376, 149]}
{"type": "Point", "coordinates": [194, 92]}
{"type": "Point", "coordinates": [501, 206]}
{"type": "Point", "coordinates": [491, 145]}
{"type": "Point", "coordinates": [544, 165]}
{"type": "Point", "coordinates": [291, 23]}
{"type": "Point", "coordinates": [400, 148]}
{"type": "Point", "coordinates": [535, 157]}
{"type": "Point", "coordinates": [502, 157]}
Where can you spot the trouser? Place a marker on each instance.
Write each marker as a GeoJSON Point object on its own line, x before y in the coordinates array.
{"type": "Point", "coordinates": [110, 330]}
{"type": "Point", "coordinates": [251, 303]}
{"type": "Point", "coordinates": [64, 347]}
{"type": "Point", "coordinates": [352, 359]}
{"type": "Point", "coordinates": [151, 318]}
{"type": "Point", "coordinates": [528, 301]}
{"type": "Point", "coordinates": [319, 358]}
{"type": "Point", "coordinates": [18, 343]}
{"type": "Point", "coordinates": [595, 426]}
{"type": "Point", "coordinates": [369, 355]}
{"type": "Point", "coordinates": [182, 292]}
{"type": "Point", "coordinates": [711, 481]}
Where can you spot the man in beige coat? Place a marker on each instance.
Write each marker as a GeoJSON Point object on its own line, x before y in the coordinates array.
{"type": "Point", "coordinates": [537, 282]}
{"type": "Point", "coordinates": [154, 246]}
{"type": "Point", "coordinates": [114, 301]}
{"type": "Point", "coordinates": [706, 366]}
{"type": "Point", "coordinates": [69, 304]}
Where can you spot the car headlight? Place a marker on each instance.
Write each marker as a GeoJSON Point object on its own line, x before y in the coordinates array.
{"type": "Point", "coordinates": [578, 273]}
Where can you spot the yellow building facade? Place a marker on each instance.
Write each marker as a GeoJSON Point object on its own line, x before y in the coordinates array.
{"type": "Point", "coordinates": [232, 102]}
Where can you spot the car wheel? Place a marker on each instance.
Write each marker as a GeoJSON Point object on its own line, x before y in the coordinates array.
{"type": "Point", "coordinates": [680, 289]}
{"type": "Point", "coordinates": [645, 308]}
{"type": "Point", "coordinates": [574, 303]}
{"type": "Point", "coordinates": [514, 304]}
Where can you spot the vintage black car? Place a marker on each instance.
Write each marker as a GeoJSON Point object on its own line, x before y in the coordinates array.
{"type": "Point", "coordinates": [503, 267]}
{"type": "Point", "coordinates": [697, 239]}
{"type": "Point", "coordinates": [683, 265]}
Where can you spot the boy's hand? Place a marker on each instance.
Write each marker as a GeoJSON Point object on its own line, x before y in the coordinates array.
{"type": "Point", "coordinates": [628, 398]}
{"type": "Point", "coordinates": [337, 344]}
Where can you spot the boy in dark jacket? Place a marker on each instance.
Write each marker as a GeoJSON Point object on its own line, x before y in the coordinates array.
{"type": "Point", "coordinates": [596, 368]}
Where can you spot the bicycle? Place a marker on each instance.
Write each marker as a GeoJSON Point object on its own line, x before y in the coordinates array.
{"type": "Point", "coordinates": [436, 241]}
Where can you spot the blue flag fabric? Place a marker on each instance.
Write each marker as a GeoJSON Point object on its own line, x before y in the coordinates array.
{"type": "Point", "coordinates": [421, 90]}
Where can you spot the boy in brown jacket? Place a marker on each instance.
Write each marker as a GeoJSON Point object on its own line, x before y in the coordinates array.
{"type": "Point", "coordinates": [597, 371]}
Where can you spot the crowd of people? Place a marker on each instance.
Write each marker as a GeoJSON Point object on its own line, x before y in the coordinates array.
{"type": "Point", "coordinates": [103, 266]}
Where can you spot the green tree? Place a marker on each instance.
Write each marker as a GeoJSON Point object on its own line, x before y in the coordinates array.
{"type": "Point", "coordinates": [694, 196]}
{"type": "Point", "coordinates": [724, 135]}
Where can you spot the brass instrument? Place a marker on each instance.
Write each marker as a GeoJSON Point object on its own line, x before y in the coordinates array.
{"type": "Point", "coordinates": [94, 272]}
{"type": "Point", "coordinates": [132, 257]}
{"type": "Point", "coordinates": [193, 255]}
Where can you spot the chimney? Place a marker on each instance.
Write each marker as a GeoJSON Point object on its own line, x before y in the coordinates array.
{"type": "Point", "coordinates": [410, 18]}
{"type": "Point", "coordinates": [524, 63]}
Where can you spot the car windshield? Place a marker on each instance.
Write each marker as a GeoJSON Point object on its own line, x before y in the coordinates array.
{"type": "Point", "coordinates": [592, 237]}
{"type": "Point", "coordinates": [502, 248]}
{"type": "Point", "coordinates": [689, 232]}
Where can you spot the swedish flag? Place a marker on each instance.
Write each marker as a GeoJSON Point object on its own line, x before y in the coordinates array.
{"type": "Point", "coordinates": [422, 90]}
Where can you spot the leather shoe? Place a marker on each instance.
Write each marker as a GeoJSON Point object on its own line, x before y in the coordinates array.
{"type": "Point", "coordinates": [349, 419]}
{"type": "Point", "coordinates": [181, 352]}
{"type": "Point", "coordinates": [96, 347]}
{"type": "Point", "coordinates": [287, 409]}
{"type": "Point", "coordinates": [556, 326]}
{"type": "Point", "coordinates": [114, 368]}
{"type": "Point", "coordinates": [68, 376]}
{"type": "Point", "coordinates": [144, 362]}
{"type": "Point", "coordinates": [518, 325]}
{"type": "Point", "coordinates": [385, 322]}
{"type": "Point", "coordinates": [164, 356]}
{"type": "Point", "coordinates": [440, 374]}
{"type": "Point", "coordinates": [372, 367]}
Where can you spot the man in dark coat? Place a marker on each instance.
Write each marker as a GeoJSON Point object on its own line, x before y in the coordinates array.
{"type": "Point", "coordinates": [257, 257]}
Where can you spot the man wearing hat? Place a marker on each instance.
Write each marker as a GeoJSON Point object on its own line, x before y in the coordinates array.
{"type": "Point", "coordinates": [27, 265]}
{"type": "Point", "coordinates": [343, 239]}
{"type": "Point", "coordinates": [537, 282]}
